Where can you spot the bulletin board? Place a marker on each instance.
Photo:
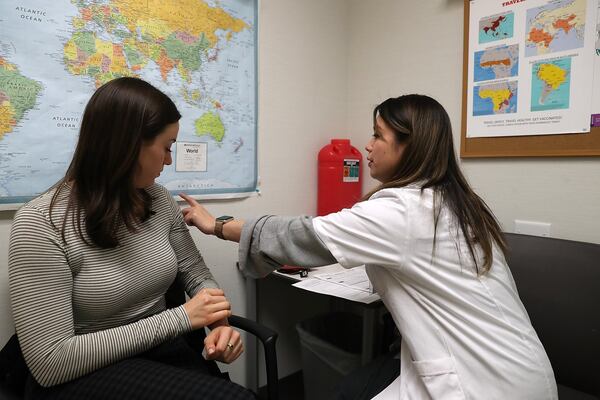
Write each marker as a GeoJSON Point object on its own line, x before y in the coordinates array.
{"type": "Point", "coordinates": [562, 145]}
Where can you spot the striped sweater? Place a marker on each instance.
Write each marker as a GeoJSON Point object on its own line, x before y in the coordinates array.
{"type": "Point", "coordinates": [77, 307]}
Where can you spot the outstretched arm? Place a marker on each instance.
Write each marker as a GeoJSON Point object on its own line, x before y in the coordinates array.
{"type": "Point", "coordinates": [268, 242]}
{"type": "Point", "coordinates": [198, 216]}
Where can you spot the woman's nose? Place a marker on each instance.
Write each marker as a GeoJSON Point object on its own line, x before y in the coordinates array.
{"type": "Point", "coordinates": [168, 159]}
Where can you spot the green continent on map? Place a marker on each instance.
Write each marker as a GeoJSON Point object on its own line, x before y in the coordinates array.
{"type": "Point", "coordinates": [173, 37]}
{"type": "Point", "coordinates": [17, 95]}
{"type": "Point", "coordinates": [188, 53]}
{"type": "Point", "coordinates": [210, 124]}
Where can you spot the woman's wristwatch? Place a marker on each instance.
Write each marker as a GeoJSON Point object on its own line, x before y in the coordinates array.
{"type": "Point", "coordinates": [219, 222]}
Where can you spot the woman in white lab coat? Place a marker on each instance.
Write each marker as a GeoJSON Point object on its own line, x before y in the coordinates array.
{"type": "Point", "coordinates": [434, 253]}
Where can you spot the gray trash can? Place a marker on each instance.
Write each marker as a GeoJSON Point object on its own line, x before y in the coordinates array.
{"type": "Point", "coordinates": [331, 349]}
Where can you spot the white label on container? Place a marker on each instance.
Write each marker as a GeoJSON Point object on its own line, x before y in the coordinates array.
{"type": "Point", "coordinates": [351, 170]}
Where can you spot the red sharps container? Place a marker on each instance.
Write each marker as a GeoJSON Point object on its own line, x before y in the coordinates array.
{"type": "Point", "coordinates": [339, 183]}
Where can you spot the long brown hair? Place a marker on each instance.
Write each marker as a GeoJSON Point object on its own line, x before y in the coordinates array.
{"type": "Point", "coordinates": [119, 117]}
{"type": "Point", "coordinates": [423, 124]}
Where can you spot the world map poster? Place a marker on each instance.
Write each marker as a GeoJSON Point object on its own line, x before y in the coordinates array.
{"type": "Point", "coordinates": [530, 67]}
{"type": "Point", "coordinates": [201, 53]}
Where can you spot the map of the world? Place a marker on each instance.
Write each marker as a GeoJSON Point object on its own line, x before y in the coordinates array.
{"type": "Point", "coordinates": [55, 53]}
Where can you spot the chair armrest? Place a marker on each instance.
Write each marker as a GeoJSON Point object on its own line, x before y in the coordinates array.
{"type": "Point", "coordinates": [268, 337]}
{"type": "Point", "coordinates": [260, 331]}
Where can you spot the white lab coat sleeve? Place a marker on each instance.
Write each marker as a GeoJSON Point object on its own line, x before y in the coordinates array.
{"type": "Point", "coordinates": [372, 232]}
{"type": "Point", "coordinates": [268, 242]}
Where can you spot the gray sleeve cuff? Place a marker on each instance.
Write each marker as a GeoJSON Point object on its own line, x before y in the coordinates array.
{"type": "Point", "coordinates": [268, 242]}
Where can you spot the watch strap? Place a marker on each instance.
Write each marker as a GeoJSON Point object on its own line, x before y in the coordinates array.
{"type": "Point", "coordinates": [219, 229]}
{"type": "Point", "coordinates": [219, 222]}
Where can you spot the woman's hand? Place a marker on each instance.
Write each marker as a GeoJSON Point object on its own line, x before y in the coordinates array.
{"type": "Point", "coordinates": [223, 344]}
{"type": "Point", "coordinates": [197, 215]}
{"type": "Point", "coordinates": [207, 307]}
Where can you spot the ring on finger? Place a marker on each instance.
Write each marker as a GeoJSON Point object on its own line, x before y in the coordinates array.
{"type": "Point", "coordinates": [230, 346]}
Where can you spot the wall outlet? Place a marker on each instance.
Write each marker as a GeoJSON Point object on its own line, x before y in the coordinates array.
{"type": "Point", "coordinates": [532, 228]}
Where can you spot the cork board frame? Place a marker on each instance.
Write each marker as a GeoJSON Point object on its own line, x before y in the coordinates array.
{"type": "Point", "coordinates": [556, 145]}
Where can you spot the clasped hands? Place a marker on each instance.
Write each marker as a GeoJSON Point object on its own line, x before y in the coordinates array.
{"type": "Point", "coordinates": [209, 308]}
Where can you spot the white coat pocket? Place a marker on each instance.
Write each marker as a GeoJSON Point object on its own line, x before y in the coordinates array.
{"type": "Point", "coordinates": [440, 378]}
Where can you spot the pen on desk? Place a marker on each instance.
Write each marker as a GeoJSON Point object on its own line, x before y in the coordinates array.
{"type": "Point", "coordinates": [291, 270]}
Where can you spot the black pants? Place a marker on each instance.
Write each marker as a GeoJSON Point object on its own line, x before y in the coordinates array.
{"type": "Point", "coordinates": [172, 370]}
{"type": "Point", "coordinates": [369, 380]}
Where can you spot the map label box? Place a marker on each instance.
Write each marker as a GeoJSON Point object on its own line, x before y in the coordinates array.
{"type": "Point", "coordinates": [191, 157]}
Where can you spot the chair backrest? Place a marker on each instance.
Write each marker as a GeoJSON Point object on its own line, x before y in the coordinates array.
{"type": "Point", "coordinates": [559, 284]}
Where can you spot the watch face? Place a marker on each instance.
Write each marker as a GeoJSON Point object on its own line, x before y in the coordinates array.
{"type": "Point", "coordinates": [224, 218]}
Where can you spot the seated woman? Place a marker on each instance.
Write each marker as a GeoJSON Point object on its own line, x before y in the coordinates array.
{"type": "Point", "coordinates": [91, 259]}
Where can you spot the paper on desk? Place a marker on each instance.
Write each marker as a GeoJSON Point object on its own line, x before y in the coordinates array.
{"type": "Point", "coordinates": [352, 284]}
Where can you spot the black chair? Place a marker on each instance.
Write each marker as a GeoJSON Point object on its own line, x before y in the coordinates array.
{"type": "Point", "coordinates": [13, 371]}
{"type": "Point", "coordinates": [175, 296]}
{"type": "Point", "coordinates": [559, 284]}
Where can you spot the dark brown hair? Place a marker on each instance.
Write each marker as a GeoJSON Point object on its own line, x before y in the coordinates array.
{"type": "Point", "coordinates": [424, 126]}
{"type": "Point", "coordinates": [119, 117]}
